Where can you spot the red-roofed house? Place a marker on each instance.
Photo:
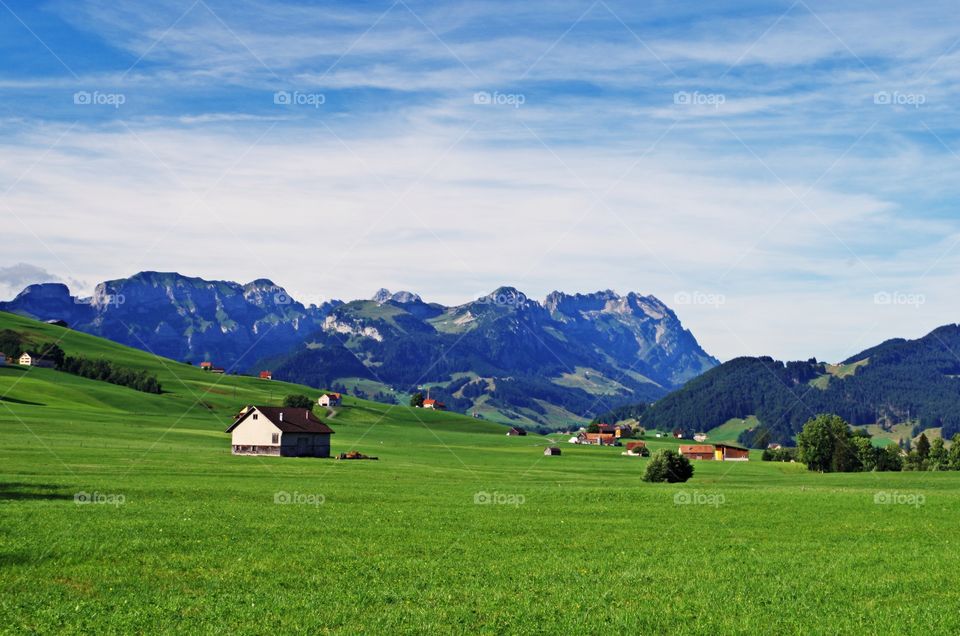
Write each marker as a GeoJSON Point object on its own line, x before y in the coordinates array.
{"type": "Point", "coordinates": [434, 404]}
{"type": "Point", "coordinates": [698, 451]}
{"type": "Point", "coordinates": [266, 375]}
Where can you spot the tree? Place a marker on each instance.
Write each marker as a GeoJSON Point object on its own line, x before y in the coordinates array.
{"type": "Point", "coordinates": [593, 428]}
{"type": "Point", "coordinates": [890, 459]}
{"type": "Point", "coordinates": [298, 401]}
{"type": "Point", "coordinates": [867, 453]}
{"type": "Point", "coordinates": [669, 466]}
{"type": "Point", "coordinates": [416, 400]}
{"type": "Point", "coordinates": [923, 446]}
{"type": "Point", "coordinates": [938, 458]}
{"type": "Point", "coordinates": [824, 444]}
{"type": "Point", "coordinates": [953, 457]}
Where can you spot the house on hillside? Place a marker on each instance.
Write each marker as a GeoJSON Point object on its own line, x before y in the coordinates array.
{"type": "Point", "coordinates": [436, 405]}
{"type": "Point", "coordinates": [29, 359]}
{"type": "Point", "coordinates": [516, 431]}
{"type": "Point", "coordinates": [551, 450]}
{"type": "Point", "coordinates": [598, 439]}
{"type": "Point", "coordinates": [632, 445]}
{"type": "Point", "coordinates": [330, 399]}
{"type": "Point", "coordinates": [774, 446]}
{"type": "Point", "coordinates": [217, 370]}
{"type": "Point", "coordinates": [700, 437]}
{"type": "Point", "coordinates": [607, 429]}
{"type": "Point", "coordinates": [266, 375]}
{"type": "Point", "coordinates": [206, 366]}
{"type": "Point", "coordinates": [698, 451]}
{"type": "Point", "coordinates": [731, 453]}
{"type": "Point", "coordinates": [279, 430]}
{"type": "Point", "coordinates": [677, 433]}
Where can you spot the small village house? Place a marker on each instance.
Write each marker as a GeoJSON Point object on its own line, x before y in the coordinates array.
{"type": "Point", "coordinates": [436, 405]}
{"type": "Point", "coordinates": [266, 375]}
{"type": "Point", "coordinates": [516, 431]}
{"type": "Point", "coordinates": [330, 399]}
{"type": "Point", "coordinates": [632, 445]}
{"type": "Point", "coordinates": [551, 450]}
{"type": "Point", "coordinates": [607, 429]}
{"type": "Point", "coordinates": [698, 451]}
{"type": "Point", "coordinates": [598, 439]}
{"type": "Point", "coordinates": [281, 431]}
{"type": "Point", "coordinates": [28, 359]}
{"type": "Point", "coordinates": [717, 452]}
{"type": "Point", "coordinates": [206, 366]}
{"type": "Point", "coordinates": [217, 370]}
{"type": "Point", "coordinates": [774, 446]}
{"type": "Point", "coordinates": [700, 437]}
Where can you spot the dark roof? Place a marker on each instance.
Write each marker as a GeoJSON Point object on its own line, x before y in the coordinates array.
{"type": "Point", "coordinates": [294, 420]}
{"type": "Point", "coordinates": [726, 445]}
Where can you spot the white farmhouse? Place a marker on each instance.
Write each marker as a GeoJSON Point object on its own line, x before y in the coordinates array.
{"type": "Point", "coordinates": [279, 430]}
{"type": "Point", "coordinates": [33, 360]}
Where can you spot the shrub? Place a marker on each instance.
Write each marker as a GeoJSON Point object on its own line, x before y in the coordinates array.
{"type": "Point", "coordinates": [298, 401]}
{"type": "Point", "coordinates": [668, 466]}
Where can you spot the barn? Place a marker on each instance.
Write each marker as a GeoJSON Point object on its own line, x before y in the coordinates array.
{"type": "Point", "coordinates": [697, 451]}
{"type": "Point", "coordinates": [282, 431]}
{"type": "Point", "coordinates": [731, 453]}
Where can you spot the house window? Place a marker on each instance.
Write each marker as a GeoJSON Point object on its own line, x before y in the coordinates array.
{"type": "Point", "coordinates": [275, 438]}
{"type": "Point", "coordinates": [255, 416]}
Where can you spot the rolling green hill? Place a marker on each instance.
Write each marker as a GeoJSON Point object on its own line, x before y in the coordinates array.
{"type": "Point", "coordinates": [457, 528]}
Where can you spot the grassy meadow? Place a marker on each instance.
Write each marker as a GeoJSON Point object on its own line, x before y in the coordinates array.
{"type": "Point", "coordinates": [456, 529]}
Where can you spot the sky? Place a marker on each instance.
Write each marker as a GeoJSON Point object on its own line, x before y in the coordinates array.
{"type": "Point", "coordinates": [782, 174]}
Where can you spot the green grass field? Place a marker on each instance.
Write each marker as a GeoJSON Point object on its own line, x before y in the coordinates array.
{"type": "Point", "coordinates": [456, 529]}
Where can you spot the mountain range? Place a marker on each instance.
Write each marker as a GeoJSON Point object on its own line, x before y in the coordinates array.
{"type": "Point", "coordinates": [544, 363]}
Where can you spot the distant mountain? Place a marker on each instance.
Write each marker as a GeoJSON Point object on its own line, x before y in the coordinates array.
{"type": "Point", "coordinates": [549, 363]}
{"type": "Point", "coordinates": [898, 381]}
{"type": "Point", "coordinates": [183, 318]}
{"type": "Point", "coordinates": [502, 356]}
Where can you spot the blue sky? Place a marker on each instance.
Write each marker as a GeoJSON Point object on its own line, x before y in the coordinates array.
{"type": "Point", "coordinates": [782, 174]}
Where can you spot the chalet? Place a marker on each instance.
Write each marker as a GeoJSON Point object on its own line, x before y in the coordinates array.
{"type": "Point", "coordinates": [551, 450]}
{"type": "Point", "coordinates": [282, 431]}
{"type": "Point", "coordinates": [28, 359]}
{"type": "Point", "coordinates": [266, 375]}
{"type": "Point", "coordinates": [698, 451]}
{"type": "Point", "coordinates": [598, 439]}
{"type": "Point", "coordinates": [632, 445]}
{"type": "Point", "coordinates": [700, 437]}
{"type": "Point", "coordinates": [516, 431]}
{"type": "Point", "coordinates": [436, 405]}
{"type": "Point", "coordinates": [774, 446]}
{"type": "Point", "coordinates": [607, 429]}
{"type": "Point", "coordinates": [677, 433]}
{"type": "Point", "coordinates": [731, 453]}
{"type": "Point", "coordinates": [330, 399]}
{"type": "Point", "coordinates": [206, 366]}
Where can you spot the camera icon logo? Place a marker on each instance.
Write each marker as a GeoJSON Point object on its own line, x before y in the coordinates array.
{"type": "Point", "coordinates": [282, 98]}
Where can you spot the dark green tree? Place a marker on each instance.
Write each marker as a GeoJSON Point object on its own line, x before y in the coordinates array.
{"type": "Point", "coordinates": [824, 444]}
{"type": "Point", "coordinates": [298, 401]}
{"type": "Point", "coordinates": [416, 400]}
{"type": "Point", "coordinates": [593, 428]}
{"type": "Point", "coordinates": [923, 446]}
{"type": "Point", "coordinates": [669, 466]}
{"type": "Point", "coordinates": [938, 458]}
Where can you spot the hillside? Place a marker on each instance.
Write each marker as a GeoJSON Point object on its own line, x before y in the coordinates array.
{"type": "Point", "coordinates": [916, 382]}
{"type": "Point", "coordinates": [504, 356]}
{"type": "Point", "coordinates": [191, 397]}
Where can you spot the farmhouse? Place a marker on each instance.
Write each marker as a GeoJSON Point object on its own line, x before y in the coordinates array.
{"type": "Point", "coordinates": [607, 429]}
{"type": "Point", "coordinates": [28, 359]}
{"type": "Point", "coordinates": [330, 399]}
{"type": "Point", "coordinates": [774, 446]}
{"type": "Point", "coordinates": [516, 431]}
{"type": "Point", "coordinates": [283, 431]}
{"type": "Point", "coordinates": [206, 366]}
{"type": "Point", "coordinates": [266, 375]}
{"type": "Point", "coordinates": [632, 445]}
{"type": "Point", "coordinates": [598, 439]}
{"type": "Point", "coordinates": [437, 405]}
{"type": "Point", "coordinates": [731, 453]}
{"type": "Point", "coordinates": [698, 451]}
{"type": "Point", "coordinates": [551, 450]}
{"type": "Point", "coordinates": [700, 437]}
